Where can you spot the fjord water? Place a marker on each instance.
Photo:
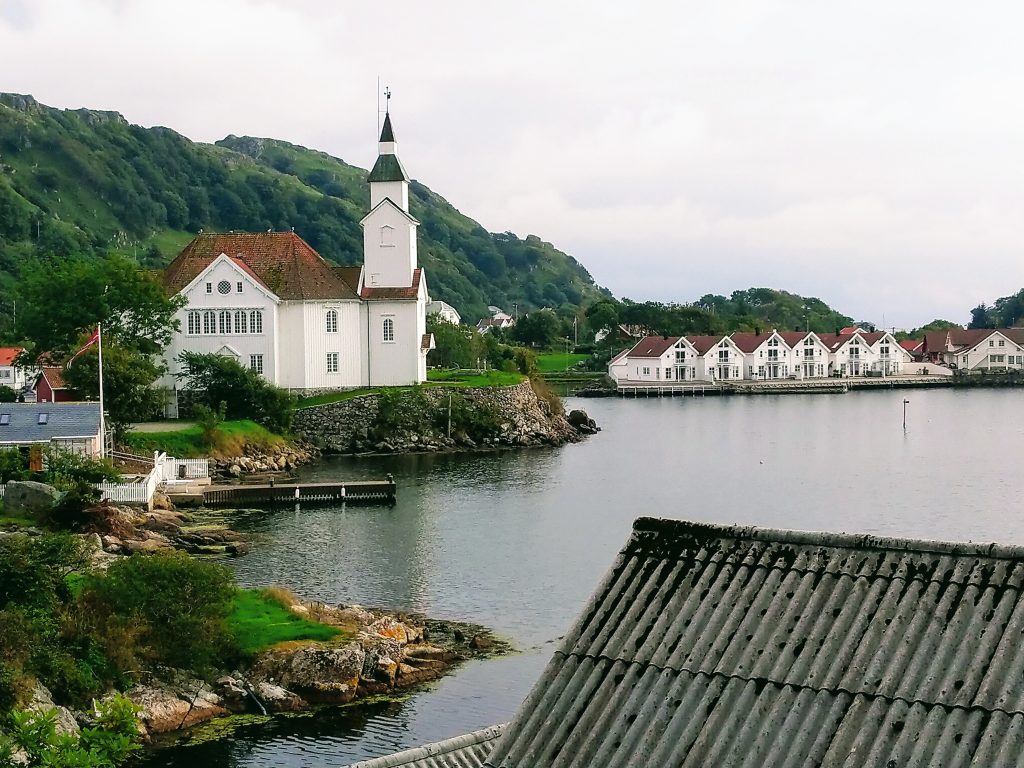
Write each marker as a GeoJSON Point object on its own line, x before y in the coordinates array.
{"type": "Point", "coordinates": [517, 541]}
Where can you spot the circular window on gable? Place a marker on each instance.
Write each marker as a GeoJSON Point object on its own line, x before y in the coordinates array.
{"type": "Point", "coordinates": [223, 287]}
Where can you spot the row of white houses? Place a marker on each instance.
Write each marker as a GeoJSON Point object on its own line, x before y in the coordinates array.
{"type": "Point", "coordinates": [760, 356]}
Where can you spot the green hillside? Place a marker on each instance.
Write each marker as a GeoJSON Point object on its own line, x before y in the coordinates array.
{"type": "Point", "coordinates": [88, 181]}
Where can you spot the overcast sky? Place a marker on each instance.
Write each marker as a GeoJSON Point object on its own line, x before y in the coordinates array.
{"type": "Point", "coordinates": [868, 153]}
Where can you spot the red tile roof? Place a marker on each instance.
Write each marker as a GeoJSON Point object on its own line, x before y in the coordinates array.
{"type": "Point", "coordinates": [378, 294]}
{"type": "Point", "coordinates": [282, 262]}
{"type": "Point", "coordinates": [850, 330]}
{"type": "Point", "coordinates": [653, 346]}
{"type": "Point", "coordinates": [703, 344]}
{"type": "Point", "coordinates": [911, 345]}
{"type": "Point", "coordinates": [748, 342]}
{"type": "Point", "coordinates": [54, 377]}
{"type": "Point", "coordinates": [793, 338]}
{"type": "Point", "coordinates": [9, 354]}
{"type": "Point", "coordinates": [956, 339]}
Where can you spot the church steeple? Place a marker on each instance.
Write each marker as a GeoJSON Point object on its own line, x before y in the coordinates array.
{"type": "Point", "coordinates": [388, 178]}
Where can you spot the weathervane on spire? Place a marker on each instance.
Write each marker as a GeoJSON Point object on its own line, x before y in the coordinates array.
{"type": "Point", "coordinates": [387, 99]}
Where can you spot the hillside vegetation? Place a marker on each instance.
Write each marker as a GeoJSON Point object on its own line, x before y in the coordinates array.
{"type": "Point", "coordinates": [86, 181]}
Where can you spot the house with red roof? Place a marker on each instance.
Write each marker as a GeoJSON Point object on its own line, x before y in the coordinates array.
{"type": "Point", "coordinates": [50, 386]}
{"type": "Point", "coordinates": [11, 375]}
{"type": "Point", "coordinates": [656, 358]}
{"type": "Point", "coordinates": [976, 349]}
{"type": "Point", "coordinates": [275, 305]}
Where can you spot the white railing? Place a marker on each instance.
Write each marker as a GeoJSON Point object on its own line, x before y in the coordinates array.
{"type": "Point", "coordinates": [166, 469]}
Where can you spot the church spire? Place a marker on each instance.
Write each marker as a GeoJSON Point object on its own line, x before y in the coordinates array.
{"type": "Point", "coordinates": [388, 167]}
{"type": "Point", "coordinates": [387, 134]}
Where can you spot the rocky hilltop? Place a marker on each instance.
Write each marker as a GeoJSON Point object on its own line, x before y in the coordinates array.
{"type": "Point", "coordinates": [435, 419]}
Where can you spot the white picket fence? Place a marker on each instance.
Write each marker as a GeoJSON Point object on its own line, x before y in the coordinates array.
{"type": "Point", "coordinates": [166, 470]}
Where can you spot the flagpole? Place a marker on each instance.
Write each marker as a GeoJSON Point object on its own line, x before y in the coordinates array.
{"type": "Point", "coordinates": [103, 431]}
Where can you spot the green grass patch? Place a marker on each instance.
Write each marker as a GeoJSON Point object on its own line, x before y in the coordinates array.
{"type": "Point", "coordinates": [22, 522]}
{"type": "Point", "coordinates": [259, 621]}
{"type": "Point", "coordinates": [232, 437]}
{"type": "Point", "coordinates": [434, 379]}
{"type": "Point", "coordinates": [553, 362]}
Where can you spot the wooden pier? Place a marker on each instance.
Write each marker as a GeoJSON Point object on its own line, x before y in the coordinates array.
{"type": "Point", "coordinates": [355, 492]}
{"type": "Point", "coordinates": [779, 386]}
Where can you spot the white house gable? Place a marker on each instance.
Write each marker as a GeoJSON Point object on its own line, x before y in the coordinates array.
{"type": "Point", "coordinates": [389, 246]}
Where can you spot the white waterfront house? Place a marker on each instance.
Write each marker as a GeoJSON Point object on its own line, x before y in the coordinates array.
{"type": "Point", "coordinates": [270, 301]}
{"type": "Point", "coordinates": [976, 349]}
{"type": "Point", "coordinates": [445, 311]}
{"type": "Point", "coordinates": [10, 375]}
{"type": "Point", "coordinates": [761, 357]}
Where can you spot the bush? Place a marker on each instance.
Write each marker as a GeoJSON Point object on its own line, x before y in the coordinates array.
{"type": "Point", "coordinates": [171, 608]}
{"type": "Point", "coordinates": [113, 739]}
{"type": "Point", "coordinates": [13, 465]}
{"type": "Point", "coordinates": [246, 394]}
{"type": "Point", "coordinates": [7, 395]}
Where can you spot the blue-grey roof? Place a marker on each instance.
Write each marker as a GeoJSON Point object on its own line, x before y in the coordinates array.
{"type": "Point", "coordinates": [466, 751]}
{"type": "Point", "coordinates": [714, 646]}
{"type": "Point", "coordinates": [63, 420]}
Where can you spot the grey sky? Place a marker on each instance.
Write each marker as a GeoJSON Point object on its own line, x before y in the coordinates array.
{"type": "Point", "coordinates": [868, 153]}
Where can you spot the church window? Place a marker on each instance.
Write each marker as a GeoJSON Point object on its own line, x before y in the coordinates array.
{"type": "Point", "coordinates": [194, 325]}
{"type": "Point", "coordinates": [223, 287]}
{"type": "Point", "coordinates": [225, 321]}
{"type": "Point", "coordinates": [209, 287]}
{"type": "Point", "coordinates": [239, 287]}
{"type": "Point", "coordinates": [241, 321]}
{"type": "Point", "coordinates": [389, 329]}
{"type": "Point", "coordinates": [255, 321]}
{"type": "Point", "coordinates": [209, 322]}
{"type": "Point", "coordinates": [256, 363]}
{"type": "Point", "coordinates": [332, 321]}
{"type": "Point", "coordinates": [387, 236]}
{"type": "Point", "coordinates": [332, 362]}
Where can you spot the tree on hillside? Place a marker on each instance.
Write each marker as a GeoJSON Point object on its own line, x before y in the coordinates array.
{"type": "Point", "coordinates": [456, 345]}
{"type": "Point", "coordinates": [603, 315]}
{"type": "Point", "coordinates": [981, 317]}
{"type": "Point", "coordinates": [60, 300]}
{"type": "Point", "coordinates": [934, 325]}
{"type": "Point", "coordinates": [540, 328]}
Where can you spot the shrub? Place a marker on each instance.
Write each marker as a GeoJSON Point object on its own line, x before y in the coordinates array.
{"type": "Point", "coordinates": [13, 465]}
{"type": "Point", "coordinates": [548, 395]}
{"type": "Point", "coordinates": [113, 739]}
{"type": "Point", "coordinates": [246, 394]}
{"type": "Point", "coordinates": [173, 607]}
{"type": "Point", "coordinates": [7, 395]}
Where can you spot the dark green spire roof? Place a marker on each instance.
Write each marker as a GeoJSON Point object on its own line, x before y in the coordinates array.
{"type": "Point", "coordinates": [387, 134]}
{"type": "Point", "coordinates": [388, 168]}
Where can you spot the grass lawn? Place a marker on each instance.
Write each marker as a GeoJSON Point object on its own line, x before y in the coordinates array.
{"type": "Point", "coordinates": [23, 522]}
{"type": "Point", "coordinates": [434, 379]}
{"type": "Point", "coordinates": [553, 362]}
{"type": "Point", "coordinates": [188, 442]}
{"type": "Point", "coordinates": [259, 621]}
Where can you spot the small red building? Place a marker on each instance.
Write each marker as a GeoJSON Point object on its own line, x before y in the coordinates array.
{"type": "Point", "coordinates": [51, 388]}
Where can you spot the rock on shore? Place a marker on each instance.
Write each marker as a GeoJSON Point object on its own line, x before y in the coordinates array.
{"type": "Point", "coordinates": [503, 417]}
{"type": "Point", "coordinates": [257, 461]}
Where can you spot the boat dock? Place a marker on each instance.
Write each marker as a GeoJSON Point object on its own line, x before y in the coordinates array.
{"type": "Point", "coordinates": [244, 494]}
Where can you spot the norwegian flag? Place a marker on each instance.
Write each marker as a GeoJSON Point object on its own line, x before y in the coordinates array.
{"type": "Point", "coordinates": [92, 340]}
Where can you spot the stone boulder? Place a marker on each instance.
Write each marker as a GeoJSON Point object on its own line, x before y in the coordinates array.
{"type": "Point", "coordinates": [170, 708]}
{"type": "Point", "coordinates": [388, 626]}
{"type": "Point", "coordinates": [583, 423]}
{"type": "Point", "coordinates": [27, 498]}
{"type": "Point", "coordinates": [278, 699]}
{"type": "Point", "coordinates": [42, 702]}
{"type": "Point", "coordinates": [327, 675]}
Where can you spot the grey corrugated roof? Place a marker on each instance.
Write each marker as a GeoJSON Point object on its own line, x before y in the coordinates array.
{"type": "Point", "coordinates": [716, 646]}
{"type": "Point", "coordinates": [466, 751]}
{"type": "Point", "coordinates": [64, 420]}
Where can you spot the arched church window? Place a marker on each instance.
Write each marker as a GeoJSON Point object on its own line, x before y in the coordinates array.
{"type": "Point", "coordinates": [256, 321]}
{"type": "Point", "coordinates": [389, 329]}
{"type": "Point", "coordinates": [209, 322]}
{"type": "Point", "coordinates": [225, 321]}
{"type": "Point", "coordinates": [332, 321]}
{"type": "Point", "coordinates": [241, 321]}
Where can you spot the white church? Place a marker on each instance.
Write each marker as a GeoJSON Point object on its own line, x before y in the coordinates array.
{"type": "Point", "coordinates": [277, 306]}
